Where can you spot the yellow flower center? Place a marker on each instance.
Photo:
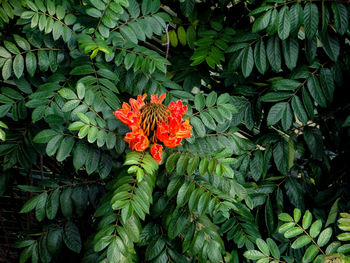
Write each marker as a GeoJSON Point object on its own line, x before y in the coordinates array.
{"type": "Point", "coordinates": [151, 113]}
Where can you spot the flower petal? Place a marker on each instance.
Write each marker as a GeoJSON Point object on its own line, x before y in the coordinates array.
{"type": "Point", "coordinates": [137, 104]}
{"type": "Point", "coordinates": [155, 99]}
{"type": "Point", "coordinates": [156, 152]}
{"type": "Point", "coordinates": [137, 140]}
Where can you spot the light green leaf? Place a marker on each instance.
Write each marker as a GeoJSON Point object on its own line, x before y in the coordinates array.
{"type": "Point", "coordinates": [310, 253]}
{"type": "Point", "coordinates": [253, 254]}
{"type": "Point", "coordinates": [301, 242]}
{"type": "Point", "coordinates": [315, 228]}
{"type": "Point", "coordinates": [324, 237]}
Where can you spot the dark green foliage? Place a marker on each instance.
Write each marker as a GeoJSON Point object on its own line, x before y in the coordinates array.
{"type": "Point", "coordinates": [265, 83]}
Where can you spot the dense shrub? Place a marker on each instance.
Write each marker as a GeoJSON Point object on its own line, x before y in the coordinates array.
{"type": "Point", "coordinates": [264, 176]}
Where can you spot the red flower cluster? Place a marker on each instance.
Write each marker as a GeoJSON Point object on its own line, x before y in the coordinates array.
{"type": "Point", "coordinates": [152, 121]}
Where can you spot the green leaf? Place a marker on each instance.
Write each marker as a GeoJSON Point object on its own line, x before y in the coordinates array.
{"type": "Point", "coordinates": [275, 113]}
{"type": "Point", "coordinates": [65, 148]}
{"type": "Point", "coordinates": [261, 22]}
{"type": "Point", "coordinates": [30, 204]}
{"type": "Point", "coordinates": [94, 12]}
{"type": "Point", "coordinates": [208, 120]}
{"type": "Point", "coordinates": [273, 248]}
{"type": "Point", "coordinates": [4, 53]}
{"type": "Point", "coordinates": [181, 94]}
{"type": "Point", "coordinates": [182, 164]}
{"type": "Point", "coordinates": [113, 251]}
{"type": "Point", "coordinates": [40, 207]}
{"type": "Point", "coordinates": [92, 160]}
{"type": "Point", "coordinates": [314, 141]}
{"type": "Point", "coordinates": [315, 228]}
{"type": "Point", "coordinates": [285, 84]}
{"type": "Point", "coordinates": [30, 188]}
{"type": "Point", "coordinates": [23, 243]}
{"type": "Point", "coordinates": [310, 253]}
{"type": "Point", "coordinates": [296, 18]}
{"type": "Point", "coordinates": [296, 214]}
{"type": "Point", "coordinates": [83, 117]}
{"type": "Point", "coordinates": [260, 10]}
{"type": "Point", "coordinates": [52, 204]}
{"type": "Point", "coordinates": [301, 242]}
{"type": "Point", "coordinates": [273, 24]}
{"type": "Point", "coordinates": [66, 202]}
{"type": "Point", "coordinates": [181, 34]}
{"type": "Point", "coordinates": [316, 91]}
{"type": "Point", "coordinates": [324, 237]}
{"type": "Point", "coordinates": [44, 136]}
{"type": "Point", "coordinates": [128, 34]}
{"type": "Point", "coordinates": [98, 4]}
{"type": "Point", "coordinates": [7, 69]}
{"type": "Point", "coordinates": [327, 83]}
{"type": "Point", "coordinates": [276, 96]}
{"type": "Point", "coordinates": [199, 101]}
{"type": "Point", "coordinates": [11, 47]}
{"type": "Point", "coordinates": [308, 103]}
{"type": "Point", "coordinates": [294, 192]}
{"type": "Point", "coordinates": [247, 61]}
{"type": "Point", "coordinates": [54, 241]}
{"type": "Point", "coordinates": [345, 249]}
{"type": "Point", "coordinates": [273, 51]}
{"type": "Point", "coordinates": [71, 237]}
{"type": "Point", "coordinates": [299, 109]}
{"type": "Point", "coordinates": [154, 249]}
{"type": "Point", "coordinates": [311, 19]}
{"type": "Point", "coordinates": [290, 49]}
{"type": "Point", "coordinates": [253, 254]}
{"type": "Point", "coordinates": [330, 45]}
{"type": "Point", "coordinates": [68, 94]}
{"type": "Point", "coordinates": [261, 244]}
{"type": "Point", "coordinates": [284, 23]}
{"type": "Point", "coordinates": [198, 126]}
{"type": "Point", "coordinates": [285, 217]}
{"type": "Point", "coordinates": [307, 219]}
{"type": "Point", "coordinates": [332, 216]}
{"type": "Point", "coordinates": [22, 42]}
{"type": "Point", "coordinates": [190, 36]}
{"type": "Point", "coordinates": [344, 236]}
{"type": "Point", "coordinates": [286, 226]}
{"type": "Point", "coordinates": [92, 134]}
{"type": "Point", "coordinates": [256, 165]}
{"type": "Point", "coordinates": [293, 232]}
{"type": "Point", "coordinates": [53, 144]}
{"type": "Point", "coordinates": [260, 58]}
{"type": "Point", "coordinates": [211, 99]}
{"type": "Point", "coordinates": [31, 63]}
{"type": "Point", "coordinates": [341, 18]}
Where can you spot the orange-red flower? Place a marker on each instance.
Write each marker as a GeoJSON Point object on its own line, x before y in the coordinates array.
{"type": "Point", "coordinates": [154, 121]}
{"type": "Point", "coordinates": [156, 152]}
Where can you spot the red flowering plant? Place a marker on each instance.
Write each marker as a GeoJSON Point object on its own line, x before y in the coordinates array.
{"type": "Point", "coordinates": [152, 122]}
